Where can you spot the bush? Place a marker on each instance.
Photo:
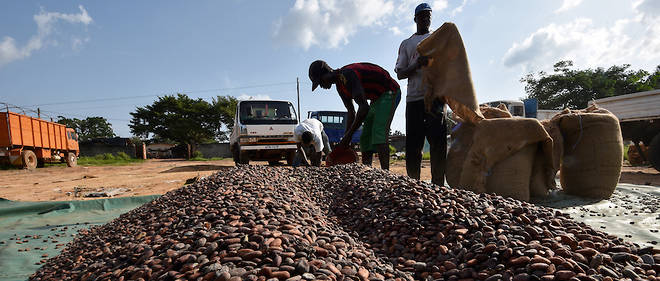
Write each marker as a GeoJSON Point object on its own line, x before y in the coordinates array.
{"type": "Point", "coordinates": [123, 156]}
{"type": "Point", "coordinates": [197, 154]}
{"type": "Point", "coordinates": [392, 150]}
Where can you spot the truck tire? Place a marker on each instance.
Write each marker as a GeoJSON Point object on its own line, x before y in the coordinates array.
{"type": "Point", "coordinates": [29, 159]}
{"type": "Point", "coordinates": [71, 159]}
{"type": "Point", "coordinates": [654, 152]}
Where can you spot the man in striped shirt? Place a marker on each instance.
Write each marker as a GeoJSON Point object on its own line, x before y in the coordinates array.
{"type": "Point", "coordinates": [362, 82]}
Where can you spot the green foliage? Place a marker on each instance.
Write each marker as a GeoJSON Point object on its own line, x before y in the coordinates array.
{"type": "Point", "coordinates": [184, 120]}
{"type": "Point", "coordinates": [89, 128]}
{"type": "Point", "coordinates": [426, 156]}
{"type": "Point", "coordinates": [197, 154]}
{"type": "Point", "coordinates": [625, 152]}
{"type": "Point", "coordinates": [392, 150]}
{"type": "Point", "coordinates": [121, 158]}
{"type": "Point", "coordinates": [570, 88]}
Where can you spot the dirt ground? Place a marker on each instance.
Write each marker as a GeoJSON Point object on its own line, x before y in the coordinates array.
{"type": "Point", "coordinates": [159, 176]}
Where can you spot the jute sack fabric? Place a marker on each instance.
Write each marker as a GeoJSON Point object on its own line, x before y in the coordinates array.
{"type": "Point", "coordinates": [593, 152]}
{"type": "Point", "coordinates": [511, 176]}
{"type": "Point", "coordinates": [461, 141]}
{"type": "Point", "coordinates": [544, 171]}
{"type": "Point", "coordinates": [495, 140]}
{"type": "Point", "coordinates": [495, 112]}
{"type": "Point", "coordinates": [448, 74]}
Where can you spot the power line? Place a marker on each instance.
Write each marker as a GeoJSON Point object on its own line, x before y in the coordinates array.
{"type": "Point", "coordinates": [145, 96]}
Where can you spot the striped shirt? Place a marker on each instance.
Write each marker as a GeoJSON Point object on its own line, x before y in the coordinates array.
{"type": "Point", "coordinates": [374, 80]}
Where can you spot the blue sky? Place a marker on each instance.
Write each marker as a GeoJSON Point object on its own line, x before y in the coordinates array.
{"type": "Point", "coordinates": [104, 58]}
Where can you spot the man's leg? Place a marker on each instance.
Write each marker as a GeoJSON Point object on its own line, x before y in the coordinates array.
{"type": "Point", "coordinates": [367, 157]}
{"type": "Point", "coordinates": [326, 143]}
{"type": "Point", "coordinates": [436, 131]}
{"type": "Point", "coordinates": [315, 158]}
{"type": "Point", "coordinates": [384, 156]}
{"type": "Point", "coordinates": [384, 107]}
{"type": "Point", "coordinates": [366, 139]}
{"type": "Point", "coordinates": [414, 137]}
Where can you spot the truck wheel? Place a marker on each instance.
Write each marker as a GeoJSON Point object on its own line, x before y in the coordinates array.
{"type": "Point", "coordinates": [244, 157]}
{"type": "Point", "coordinates": [29, 159]}
{"type": "Point", "coordinates": [654, 152]}
{"type": "Point", "coordinates": [71, 159]}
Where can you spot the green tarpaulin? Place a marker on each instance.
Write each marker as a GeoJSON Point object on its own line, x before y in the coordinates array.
{"type": "Point", "coordinates": [31, 231]}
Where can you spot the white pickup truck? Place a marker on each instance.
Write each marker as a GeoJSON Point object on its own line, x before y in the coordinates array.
{"type": "Point", "coordinates": [639, 116]}
{"type": "Point", "coordinates": [263, 131]}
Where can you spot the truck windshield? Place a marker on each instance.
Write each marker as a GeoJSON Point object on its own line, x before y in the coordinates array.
{"type": "Point", "coordinates": [267, 112]}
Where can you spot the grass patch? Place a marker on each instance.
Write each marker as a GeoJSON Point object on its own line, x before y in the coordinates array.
{"type": "Point", "coordinates": [426, 156]}
{"type": "Point", "coordinates": [206, 159]}
{"type": "Point", "coordinates": [118, 159]}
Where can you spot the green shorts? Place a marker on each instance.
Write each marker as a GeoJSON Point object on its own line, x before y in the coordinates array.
{"type": "Point", "coordinates": [377, 123]}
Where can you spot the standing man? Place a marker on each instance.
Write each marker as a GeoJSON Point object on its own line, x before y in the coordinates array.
{"type": "Point", "coordinates": [419, 123]}
{"type": "Point", "coordinates": [311, 140]}
{"type": "Point", "coordinates": [360, 82]}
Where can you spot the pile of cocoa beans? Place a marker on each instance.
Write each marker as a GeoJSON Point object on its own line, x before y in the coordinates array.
{"type": "Point", "coordinates": [346, 222]}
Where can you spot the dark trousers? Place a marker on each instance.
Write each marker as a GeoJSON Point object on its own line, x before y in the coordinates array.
{"type": "Point", "coordinates": [419, 125]}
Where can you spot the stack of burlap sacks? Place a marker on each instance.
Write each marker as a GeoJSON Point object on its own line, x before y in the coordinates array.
{"type": "Point", "coordinates": [493, 152]}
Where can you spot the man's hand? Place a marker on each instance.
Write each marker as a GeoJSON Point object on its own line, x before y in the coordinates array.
{"type": "Point", "coordinates": [344, 142]}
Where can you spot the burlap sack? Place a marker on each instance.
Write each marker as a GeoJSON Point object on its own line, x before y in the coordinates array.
{"type": "Point", "coordinates": [544, 170]}
{"type": "Point", "coordinates": [448, 74]}
{"type": "Point", "coordinates": [511, 176]}
{"type": "Point", "coordinates": [495, 140]}
{"type": "Point", "coordinates": [593, 152]}
{"type": "Point", "coordinates": [461, 141]}
{"type": "Point", "coordinates": [495, 112]}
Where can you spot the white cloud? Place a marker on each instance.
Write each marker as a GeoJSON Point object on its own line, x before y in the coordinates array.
{"type": "Point", "coordinates": [649, 9]}
{"type": "Point", "coordinates": [395, 30]}
{"type": "Point", "coordinates": [329, 23]}
{"type": "Point", "coordinates": [254, 97]}
{"type": "Point", "coordinates": [626, 41]}
{"type": "Point", "coordinates": [76, 43]}
{"type": "Point", "coordinates": [567, 5]}
{"type": "Point", "coordinates": [439, 5]}
{"type": "Point", "coordinates": [458, 9]}
{"type": "Point", "coordinates": [46, 21]}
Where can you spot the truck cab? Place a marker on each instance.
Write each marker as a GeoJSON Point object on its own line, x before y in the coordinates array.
{"type": "Point", "coordinates": [263, 131]}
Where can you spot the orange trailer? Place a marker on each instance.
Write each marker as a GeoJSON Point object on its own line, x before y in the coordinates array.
{"type": "Point", "coordinates": [30, 142]}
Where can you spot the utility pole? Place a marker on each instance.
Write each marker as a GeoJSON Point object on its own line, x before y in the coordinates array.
{"type": "Point", "coordinates": [298, 90]}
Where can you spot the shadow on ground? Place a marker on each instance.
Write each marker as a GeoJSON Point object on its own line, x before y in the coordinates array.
{"type": "Point", "coordinates": [197, 168]}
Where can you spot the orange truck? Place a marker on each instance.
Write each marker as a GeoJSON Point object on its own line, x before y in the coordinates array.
{"type": "Point", "coordinates": [30, 142]}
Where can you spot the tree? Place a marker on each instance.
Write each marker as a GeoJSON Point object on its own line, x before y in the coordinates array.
{"type": "Point", "coordinates": [89, 128]}
{"type": "Point", "coordinates": [569, 88]}
{"type": "Point", "coordinates": [182, 119]}
{"type": "Point", "coordinates": [225, 110]}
